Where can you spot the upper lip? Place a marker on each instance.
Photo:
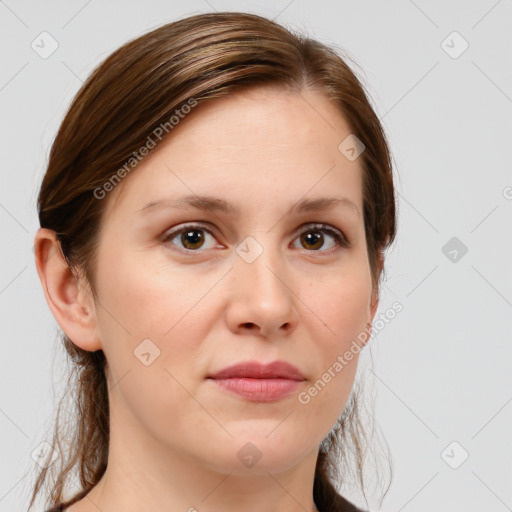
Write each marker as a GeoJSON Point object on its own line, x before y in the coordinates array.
{"type": "Point", "coordinates": [257, 370]}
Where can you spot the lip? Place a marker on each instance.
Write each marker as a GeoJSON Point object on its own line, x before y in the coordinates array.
{"type": "Point", "coordinates": [259, 382]}
{"type": "Point", "coordinates": [257, 370]}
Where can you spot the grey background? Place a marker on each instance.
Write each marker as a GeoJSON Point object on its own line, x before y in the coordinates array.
{"type": "Point", "coordinates": [441, 368]}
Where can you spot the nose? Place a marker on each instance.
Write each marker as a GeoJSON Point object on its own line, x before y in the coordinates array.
{"type": "Point", "coordinates": [262, 299]}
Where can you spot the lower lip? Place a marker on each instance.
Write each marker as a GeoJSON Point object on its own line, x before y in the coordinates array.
{"type": "Point", "coordinates": [259, 390]}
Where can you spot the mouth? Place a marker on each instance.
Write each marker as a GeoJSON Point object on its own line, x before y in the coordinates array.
{"type": "Point", "coordinates": [259, 382]}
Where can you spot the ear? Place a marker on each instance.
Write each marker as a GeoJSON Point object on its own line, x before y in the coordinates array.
{"type": "Point", "coordinates": [68, 296]}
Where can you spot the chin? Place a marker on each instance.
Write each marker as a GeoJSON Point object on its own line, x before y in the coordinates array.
{"type": "Point", "coordinates": [257, 452]}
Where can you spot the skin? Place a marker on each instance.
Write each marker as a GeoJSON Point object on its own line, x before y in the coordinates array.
{"type": "Point", "coordinates": [174, 434]}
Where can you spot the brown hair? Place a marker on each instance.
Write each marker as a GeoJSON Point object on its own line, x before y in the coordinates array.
{"type": "Point", "coordinates": [133, 92]}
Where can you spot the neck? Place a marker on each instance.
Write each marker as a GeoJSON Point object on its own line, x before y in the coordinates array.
{"type": "Point", "coordinates": [145, 474]}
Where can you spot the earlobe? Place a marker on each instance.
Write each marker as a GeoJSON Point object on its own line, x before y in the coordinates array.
{"type": "Point", "coordinates": [67, 295]}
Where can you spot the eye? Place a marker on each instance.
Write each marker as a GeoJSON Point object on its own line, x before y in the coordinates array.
{"type": "Point", "coordinates": [314, 237]}
{"type": "Point", "coordinates": [192, 237]}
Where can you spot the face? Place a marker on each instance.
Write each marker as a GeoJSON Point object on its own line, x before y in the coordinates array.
{"type": "Point", "coordinates": [184, 291]}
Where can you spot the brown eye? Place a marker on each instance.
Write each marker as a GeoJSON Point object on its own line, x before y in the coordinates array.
{"type": "Point", "coordinates": [194, 237]}
{"type": "Point", "coordinates": [314, 238]}
{"type": "Point", "coordinates": [191, 238]}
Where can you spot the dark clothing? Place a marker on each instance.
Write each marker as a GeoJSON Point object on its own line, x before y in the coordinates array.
{"type": "Point", "coordinates": [61, 507]}
{"type": "Point", "coordinates": [349, 507]}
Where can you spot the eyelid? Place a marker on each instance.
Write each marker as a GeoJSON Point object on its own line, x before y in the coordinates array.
{"type": "Point", "coordinates": [340, 238]}
{"type": "Point", "coordinates": [324, 226]}
{"type": "Point", "coordinates": [168, 235]}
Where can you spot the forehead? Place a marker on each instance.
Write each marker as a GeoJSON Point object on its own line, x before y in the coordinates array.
{"type": "Point", "coordinates": [253, 140]}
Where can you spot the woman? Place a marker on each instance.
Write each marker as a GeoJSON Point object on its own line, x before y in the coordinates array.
{"type": "Point", "coordinates": [214, 215]}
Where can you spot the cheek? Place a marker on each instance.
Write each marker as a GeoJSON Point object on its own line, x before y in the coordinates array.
{"type": "Point", "coordinates": [342, 306]}
{"type": "Point", "coordinates": [141, 301]}
{"type": "Point", "coordinates": [139, 295]}
{"type": "Point", "coordinates": [151, 328]}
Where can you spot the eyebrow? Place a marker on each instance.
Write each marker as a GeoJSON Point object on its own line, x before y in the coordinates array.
{"type": "Point", "coordinates": [217, 204]}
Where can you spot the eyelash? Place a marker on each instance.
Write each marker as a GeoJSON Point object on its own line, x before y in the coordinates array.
{"type": "Point", "coordinates": [340, 239]}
